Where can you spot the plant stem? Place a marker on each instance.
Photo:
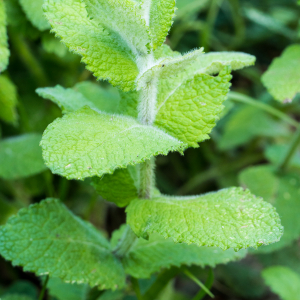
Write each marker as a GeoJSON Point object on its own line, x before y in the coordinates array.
{"type": "Point", "coordinates": [136, 288]}
{"type": "Point", "coordinates": [147, 179]}
{"type": "Point", "coordinates": [195, 279]}
{"type": "Point", "coordinates": [126, 242]}
{"type": "Point", "coordinates": [291, 151]}
{"type": "Point", "coordinates": [209, 282]}
{"type": "Point", "coordinates": [271, 110]}
{"type": "Point", "coordinates": [41, 297]}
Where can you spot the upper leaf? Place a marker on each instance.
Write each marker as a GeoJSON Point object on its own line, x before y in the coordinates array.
{"type": "Point", "coordinates": [21, 156]}
{"type": "Point", "coordinates": [147, 257]}
{"type": "Point", "coordinates": [203, 96]}
{"type": "Point", "coordinates": [82, 94]}
{"type": "Point", "coordinates": [283, 281]}
{"type": "Point", "coordinates": [34, 12]}
{"type": "Point", "coordinates": [8, 100]}
{"type": "Point", "coordinates": [4, 52]}
{"type": "Point", "coordinates": [230, 218]}
{"type": "Point", "coordinates": [120, 187]}
{"type": "Point", "coordinates": [86, 143]}
{"type": "Point", "coordinates": [158, 15]}
{"type": "Point", "coordinates": [47, 238]}
{"type": "Point", "coordinates": [281, 79]}
{"type": "Point", "coordinates": [282, 191]}
{"type": "Point", "coordinates": [105, 54]}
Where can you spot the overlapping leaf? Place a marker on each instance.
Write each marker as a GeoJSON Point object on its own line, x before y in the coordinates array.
{"type": "Point", "coordinates": [34, 12]}
{"type": "Point", "coordinates": [4, 52]}
{"type": "Point", "coordinates": [230, 218]}
{"type": "Point", "coordinates": [147, 257]}
{"type": "Point", "coordinates": [281, 79]}
{"type": "Point", "coordinates": [21, 156]}
{"type": "Point", "coordinates": [282, 191]}
{"type": "Point", "coordinates": [8, 100]}
{"type": "Point", "coordinates": [82, 94]}
{"type": "Point", "coordinates": [86, 143]}
{"type": "Point", "coordinates": [283, 281]}
{"type": "Point", "coordinates": [105, 54]}
{"type": "Point", "coordinates": [47, 238]}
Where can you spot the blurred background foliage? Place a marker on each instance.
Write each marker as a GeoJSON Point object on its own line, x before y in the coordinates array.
{"type": "Point", "coordinates": [254, 130]}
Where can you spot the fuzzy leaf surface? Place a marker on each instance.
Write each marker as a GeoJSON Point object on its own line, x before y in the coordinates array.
{"type": "Point", "coordinates": [158, 15]}
{"type": "Point", "coordinates": [283, 281]}
{"type": "Point", "coordinates": [47, 238]}
{"type": "Point", "coordinates": [203, 96]}
{"type": "Point", "coordinates": [104, 53]}
{"type": "Point", "coordinates": [4, 52]}
{"type": "Point", "coordinates": [82, 94]}
{"type": "Point", "coordinates": [8, 100]}
{"type": "Point", "coordinates": [282, 191]}
{"type": "Point", "coordinates": [34, 12]}
{"type": "Point", "coordinates": [119, 187]}
{"type": "Point", "coordinates": [281, 79]}
{"type": "Point", "coordinates": [229, 218]}
{"type": "Point", "coordinates": [21, 156]}
{"type": "Point", "coordinates": [86, 143]}
{"type": "Point", "coordinates": [148, 257]}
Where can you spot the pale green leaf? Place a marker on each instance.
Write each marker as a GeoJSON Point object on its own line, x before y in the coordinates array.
{"type": "Point", "coordinates": [86, 143]}
{"type": "Point", "coordinates": [158, 15]}
{"type": "Point", "coordinates": [129, 103]}
{"type": "Point", "coordinates": [283, 281]}
{"type": "Point", "coordinates": [120, 187]}
{"type": "Point", "coordinates": [282, 191]}
{"type": "Point", "coordinates": [47, 238]}
{"type": "Point", "coordinates": [229, 218]}
{"type": "Point", "coordinates": [4, 52]}
{"type": "Point", "coordinates": [147, 257]}
{"type": "Point", "coordinates": [203, 95]}
{"type": "Point", "coordinates": [107, 56]}
{"type": "Point", "coordinates": [82, 94]}
{"type": "Point", "coordinates": [15, 297]}
{"type": "Point", "coordinates": [66, 291]}
{"type": "Point", "coordinates": [8, 100]}
{"type": "Point", "coordinates": [189, 7]}
{"type": "Point", "coordinates": [34, 12]}
{"type": "Point", "coordinates": [21, 156]}
{"type": "Point", "coordinates": [281, 79]}
{"type": "Point", "coordinates": [53, 45]}
{"type": "Point", "coordinates": [122, 19]}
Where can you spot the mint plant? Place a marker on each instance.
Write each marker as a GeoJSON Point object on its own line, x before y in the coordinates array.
{"type": "Point", "coordinates": [163, 101]}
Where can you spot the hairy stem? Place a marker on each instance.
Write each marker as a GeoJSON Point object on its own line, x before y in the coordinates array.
{"type": "Point", "coordinates": [125, 243]}
{"type": "Point", "coordinates": [147, 179]}
{"type": "Point", "coordinates": [291, 151]}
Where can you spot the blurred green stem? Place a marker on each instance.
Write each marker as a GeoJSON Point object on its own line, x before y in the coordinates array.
{"type": "Point", "coordinates": [291, 151]}
{"type": "Point", "coordinates": [126, 242]}
{"type": "Point", "coordinates": [32, 64]}
{"type": "Point", "coordinates": [209, 283]}
{"type": "Point", "coordinates": [41, 297]}
{"type": "Point", "coordinates": [136, 288]}
{"type": "Point", "coordinates": [234, 96]}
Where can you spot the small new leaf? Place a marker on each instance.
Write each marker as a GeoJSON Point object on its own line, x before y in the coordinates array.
{"type": "Point", "coordinates": [47, 238]}
{"type": "Point", "coordinates": [281, 79]}
{"type": "Point", "coordinates": [86, 143]}
{"type": "Point", "coordinates": [4, 52]}
{"type": "Point", "coordinates": [229, 218]}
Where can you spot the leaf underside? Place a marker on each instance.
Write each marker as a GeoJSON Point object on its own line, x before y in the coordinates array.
{"type": "Point", "coordinates": [4, 52]}
{"type": "Point", "coordinates": [86, 144]}
{"type": "Point", "coordinates": [47, 238]}
{"type": "Point", "coordinates": [230, 218]}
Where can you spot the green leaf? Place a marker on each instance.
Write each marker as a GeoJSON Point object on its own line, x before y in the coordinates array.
{"type": "Point", "coordinates": [229, 218]}
{"type": "Point", "coordinates": [34, 12]}
{"type": "Point", "coordinates": [16, 297]}
{"type": "Point", "coordinates": [82, 94]}
{"type": "Point", "coordinates": [189, 7]}
{"type": "Point", "coordinates": [107, 56]}
{"type": "Point", "coordinates": [282, 191]}
{"type": "Point", "coordinates": [147, 257]}
{"type": "Point", "coordinates": [158, 15]}
{"type": "Point", "coordinates": [86, 143]}
{"type": "Point", "coordinates": [281, 79]}
{"type": "Point", "coordinates": [47, 238]}
{"type": "Point", "coordinates": [21, 156]}
{"type": "Point", "coordinates": [4, 52]}
{"type": "Point", "coordinates": [283, 281]}
{"type": "Point", "coordinates": [53, 45]}
{"type": "Point", "coordinates": [120, 187]}
{"type": "Point", "coordinates": [8, 100]}
{"type": "Point", "coordinates": [203, 95]}
{"type": "Point", "coordinates": [66, 291]}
